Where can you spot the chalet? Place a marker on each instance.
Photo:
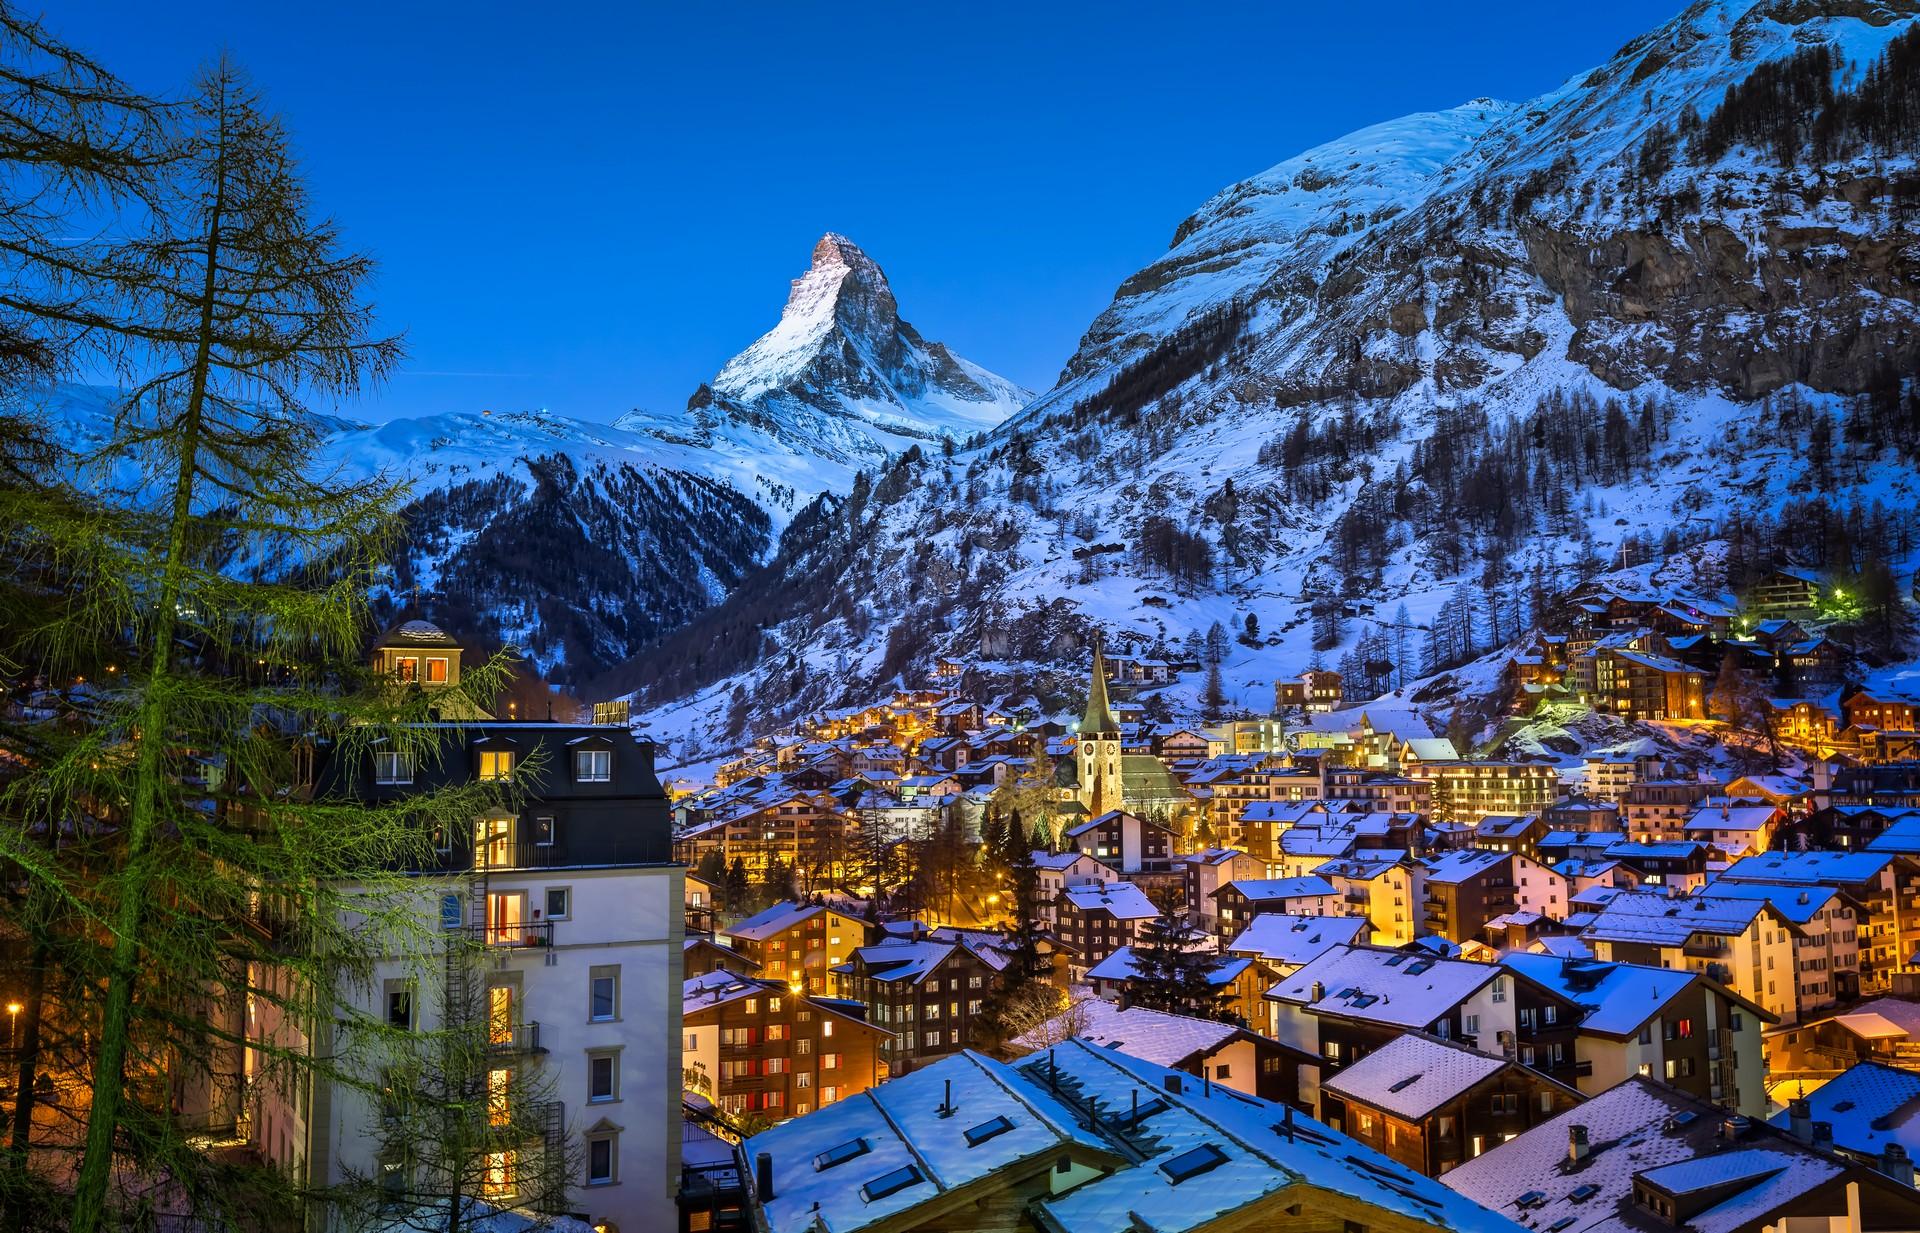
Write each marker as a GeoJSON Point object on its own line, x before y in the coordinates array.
{"type": "Point", "coordinates": [1352, 1001]}
{"type": "Point", "coordinates": [1389, 891]}
{"type": "Point", "coordinates": [1641, 686]}
{"type": "Point", "coordinates": [1744, 944]}
{"type": "Point", "coordinates": [1468, 791]}
{"type": "Point", "coordinates": [1870, 1111]}
{"type": "Point", "coordinates": [1203, 873]}
{"type": "Point", "coordinates": [1056, 871]}
{"type": "Point", "coordinates": [1431, 1104]}
{"type": "Point", "coordinates": [1316, 690]}
{"type": "Point", "coordinates": [1237, 980]}
{"type": "Point", "coordinates": [1285, 943]}
{"type": "Point", "coordinates": [1180, 745]}
{"type": "Point", "coordinates": [1815, 723]}
{"type": "Point", "coordinates": [799, 943]}
{"type": "Point", "coordinates": [1854, 828]}
{"type": "Point", "coordinates": [1581, 812]}
{"type": "Point", "coordinates": [1467, 888]}
{"type": "Point", "coordinates": [1238, 902]}
{"type": "Point", "coordinates": [1884, 1030]}
{"type": "Point", "coordinates": [1079, 1138]}
{"type": "Point", "coordinates": [1882, 888]}
{"type": "Point", "coordinates": [1096, 920]}
{"type": "Point", "coordinates": [753, 1046]}
{"type": "Point", "coordinates": [1219, 1053]}
{"type": "Point", "coordinates": [1732, 829]}
{"type": "Point", "coordinates": [1644, 1156]}
{"type": "Point", "coordinates": [1881, 710]}
{"type": "Point", "coordinates": [1503, 832]}
{"type": "Point", "coordinates": [1658, 809]}
{"type": "Point", "coordinates": [1127, 842]}
{"type": "Point", "coordinates": [1826, 929]}
{"type": "Point", "coordinates": [701, 955]}
{"type": "Point", "coordinates": [924, 994]}
{"type": "Point", "coordinates": [1788, 593]}
{"type": "Point", "coordinates": [1677, 1026]}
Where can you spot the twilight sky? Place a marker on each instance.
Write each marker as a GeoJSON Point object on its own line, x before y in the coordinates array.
{"type": "Point", "coordinates": [590, 206]}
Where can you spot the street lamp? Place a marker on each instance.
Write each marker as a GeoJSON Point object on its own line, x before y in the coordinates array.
{"type": "Point", "coordinates": [13, 1023]}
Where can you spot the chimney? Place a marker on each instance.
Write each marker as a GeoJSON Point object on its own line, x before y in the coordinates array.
{"type": "Point", "coordinates": [1579, 1146]}
{"type": "Point", "coordinates": [946, 1101]}
{"type": "Point", "coordinates": [1733, 1127]}
{"type": "Point", "coordinates": [1172, 1084]}
{"type": "Point", "coordinates": [763, 1176]}
{"type": "Point", "coordinates": [1318, 991]}
{"type": "Point", "coordinates": [1800, 1119]}
{"type": "Point", "coordinates": [1823, 1136]}
{"type": "Point", "coordinates": [1123, 1001]}
{"type": "Point", "coordinates": [1895, 1163]}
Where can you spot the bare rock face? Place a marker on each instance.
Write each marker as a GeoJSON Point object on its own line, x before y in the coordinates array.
{"type": "Point", "coordinates": [843, 376]}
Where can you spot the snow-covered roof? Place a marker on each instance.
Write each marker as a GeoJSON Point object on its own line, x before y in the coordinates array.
{"type": "Point", "coordinates": [776, 919]}
{"type": "Point", "coordinates": [1656, 919]}
{"type": "Point", "coordinates": [1463, 863]}
{"type": "Point", "coordinates": [1799, 904]}
{"type": "Point", "coordinates": [1414, 1074]}
{"type": "Point", "coordinates": [1156, 1036]}
{"type": "Point", "coordinates": [1268, 889]}
{"type": "Point", "coordinates": [1282, 937]}
{"type": "Point", "coordinates": [1244, 1149]}
{"type": "Point", "coordinates": [900, 960]}
{"type": "Point", "coordinates": [1818, 866]}
{"type": "Point", "coordinates": [1121, 900]}
{"type": "Point", "coordinates": [1618, 997]}
{"type": "Point", "coordinates": [1883, 1018]}
{"type": "Point", "coordinates": [1726, 816]}
{"type": "Point", "coordinates": [1211, 856]}
{"type": "Point", "coordinates": [1394, 987]}
{"type": "Point", "coordinates": [1123, 964]}
{"type": "Point", "coordinates": [1641, 1129]}
{"type": "Point", "coordinates": [1869, 1106]}
{"type": "Point", "coordinates": [823, 1163]}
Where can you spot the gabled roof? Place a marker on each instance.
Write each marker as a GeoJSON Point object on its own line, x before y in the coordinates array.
{"type": "Point", "coordinates": [1824, 867]}
{"type": "Point", "coordinates": [1123, 964]}
{"type": "Point", "coordinates": [1122, 900]}
{"type": "Point", "coordinates": [1282, 937]}
{"type": "Point", "coordinates": [1394, 987]}
{"type": "Point", "coordinates": [777, 919]}
{"type": "Point", "coordinates": [1643, 1129]}
{"type": "Point", "coordinates": [1656, 919]}
{"type": "Point", "coordinates": [1261, 889]}
{"type": "Point", "coordinates": [1413, 1075]}
{"type": "Point", "coordinates": [1619, 998]}
{"type": "Point", "coordinates": [1869, 1106]}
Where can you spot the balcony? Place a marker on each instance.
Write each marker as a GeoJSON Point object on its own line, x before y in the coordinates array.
{"type": "Point", "coordinates": [522, 1038]}
{"type": "Point", "coordinates": [498, 854]}
{"type": "Point", "coordinates": [515, 935]}
{"type": "Point", "coordinates": [1706, 950]}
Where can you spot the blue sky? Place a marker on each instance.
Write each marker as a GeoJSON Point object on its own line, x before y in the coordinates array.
{"type": "Point", "coordinates": [590, 207]}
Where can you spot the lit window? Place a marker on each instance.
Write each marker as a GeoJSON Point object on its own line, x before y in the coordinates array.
{"type": "Point", "coordinates": [498, 1182]}
{"type": "Point", "coordinates": [406, 667]}
{"type": "Point", "coordinates": [499, 1112]}
{"type": "Point", "coordinates": [500, 1014]}
{"type": "Point", "coordinates": [437, 671]}
{"type": "Point", "coordinates": [496, 765]}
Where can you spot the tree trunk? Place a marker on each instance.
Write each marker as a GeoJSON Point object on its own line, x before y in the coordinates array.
{"type": "Point", "coordinates": [151, 730]}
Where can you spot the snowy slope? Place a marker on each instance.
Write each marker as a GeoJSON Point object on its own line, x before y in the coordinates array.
{"type": "Point", "coordinates": [840, 384]}
{"type": "Point", "coordinates": [1317, 334]}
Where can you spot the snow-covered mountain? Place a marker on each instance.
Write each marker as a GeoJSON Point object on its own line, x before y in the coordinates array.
{"type": "Point", "coordinates": [580, 542]}
{"type": "Point", "coordinates": [1415, 382]}
{"type": "Point", "coordinates": [842, 383]}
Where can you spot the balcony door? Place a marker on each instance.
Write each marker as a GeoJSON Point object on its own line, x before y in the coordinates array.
{"type": "Point", "coordinates": [507, 918]}
{"type": "Point", "coordinates": [493, 843]}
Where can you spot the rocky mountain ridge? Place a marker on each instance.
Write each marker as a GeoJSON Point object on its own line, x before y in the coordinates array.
{"type": "Point", "coordinates": [1415, 382]}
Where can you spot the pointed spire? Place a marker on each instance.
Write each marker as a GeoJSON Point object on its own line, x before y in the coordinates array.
{"type": "Point", "coordinates": [1099, 717]}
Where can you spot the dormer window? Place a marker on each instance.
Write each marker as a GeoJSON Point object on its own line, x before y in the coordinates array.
{"type": "Point", "coordinates": [496, 765]}
{"type": "Point", "coordinates": [593, 765]}
{"type": "Point", "coordinates": [392, 767]}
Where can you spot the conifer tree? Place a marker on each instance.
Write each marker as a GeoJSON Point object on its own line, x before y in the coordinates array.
{"type": "Point", "coordinates": [233, 572]}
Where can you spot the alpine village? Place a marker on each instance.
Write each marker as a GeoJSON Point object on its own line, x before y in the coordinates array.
{"type": "Point", "coordinates": [1417, 729]}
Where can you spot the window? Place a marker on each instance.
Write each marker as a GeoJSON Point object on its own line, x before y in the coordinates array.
{"type": "Point", "coordinates": [406, 667]}
{"type": "Point", "coordinates": [499, 1111]}
{"type": "Point", "coordinates": [392, 766]}
{"type": "Point", "coordinates": [1499, 988]}
{"type": "Point", "coordinates": [400, 1005]}
{"type": "Point", "coordinates": [829, 1061]}
{"type": "Point", "coordinates": [890, 1183]}
{"type": "Point", "coordinates": [976, 1135]}
{"type": "Point", "coordinates": [437, 670]}
{"type": "Point", "coordinates": [603, 1076]}
{"type": "Point", "coordinates": [496, 765]}
{"type": "Point", "coordinates": [559, 902]}
{"type": "Point", "coordinates": [600, 1158]}
{"type": "Point", "coordinates": [499, 1014]}
{"type": "Point", "coordinates": [850, 1150]}
{"type": "Point", "coordinates": [592, 765]}
{"type": "Point", "coordinates": [804, 1047]}
{"type": "Point", "coordinates": [543, 830]}
{"type": "Point", "coordinates": [604, 994]}
{"type": "Point", "coordinates": [1190, 1164]}
{"type": "Point", "coordinates": [498, 1180]}
{"type": "Point", "coordinates": [1220, 1071]}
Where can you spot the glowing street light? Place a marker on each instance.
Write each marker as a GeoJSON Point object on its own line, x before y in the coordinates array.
{"type": "Point", "coordinates": [13, 1022]}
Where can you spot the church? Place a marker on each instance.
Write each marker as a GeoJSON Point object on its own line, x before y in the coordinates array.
{"type": "Point", "coordinates": [1103, 778]}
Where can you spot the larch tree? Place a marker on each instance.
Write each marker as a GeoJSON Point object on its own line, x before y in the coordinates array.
{"type": "Point", "coordinates": [204, 865]}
